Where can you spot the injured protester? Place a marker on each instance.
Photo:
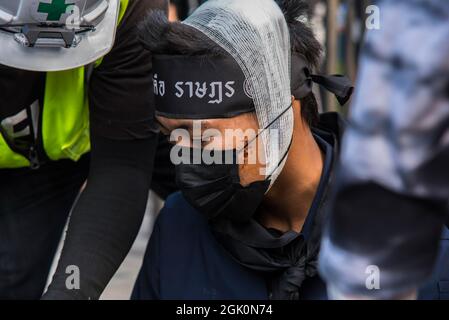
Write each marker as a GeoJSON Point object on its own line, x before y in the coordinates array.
{"type": "Point", "coordinates": [253, 157]}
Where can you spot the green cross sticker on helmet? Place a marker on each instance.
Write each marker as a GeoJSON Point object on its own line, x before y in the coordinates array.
{"type": "Point", "coordinates": [55, 9]}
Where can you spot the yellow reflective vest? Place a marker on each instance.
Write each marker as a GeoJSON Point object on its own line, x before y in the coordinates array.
{"type": "Point", "coordinates": [65, 118]}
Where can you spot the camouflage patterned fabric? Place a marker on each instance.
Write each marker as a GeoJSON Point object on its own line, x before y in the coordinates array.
{"type": "Point", "coordinates": [395, 157]}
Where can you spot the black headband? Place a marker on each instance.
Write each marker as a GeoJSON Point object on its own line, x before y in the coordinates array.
{"type": "Point", "coordinates": [204, 87]}
{"type": "Point", "coordinates": [199, 87]}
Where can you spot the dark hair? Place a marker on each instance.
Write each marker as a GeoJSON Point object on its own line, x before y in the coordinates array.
{"type": "Point", "coordinates": [160, 36]}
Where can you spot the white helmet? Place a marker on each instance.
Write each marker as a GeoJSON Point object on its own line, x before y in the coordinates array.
{"type": "Point", "coordinates": [55, 35]}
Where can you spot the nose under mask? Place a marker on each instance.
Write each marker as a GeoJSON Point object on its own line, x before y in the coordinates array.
{"type": "Point", "coordinates": [215, 189]}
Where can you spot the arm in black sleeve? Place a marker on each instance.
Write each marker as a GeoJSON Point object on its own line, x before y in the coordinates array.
{"type": "Point", "coordinates": [107, 216]}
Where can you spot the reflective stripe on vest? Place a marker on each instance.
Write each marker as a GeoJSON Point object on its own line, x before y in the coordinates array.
{"type": "Point", "coordinates": [65, 119]}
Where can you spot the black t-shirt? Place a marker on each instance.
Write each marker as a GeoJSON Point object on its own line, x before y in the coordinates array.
{"type": "Point", "coordinates": [120, 97]}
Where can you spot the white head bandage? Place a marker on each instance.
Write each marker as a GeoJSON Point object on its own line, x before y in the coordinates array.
{"type": "Point", "coordinates": [255, 33]}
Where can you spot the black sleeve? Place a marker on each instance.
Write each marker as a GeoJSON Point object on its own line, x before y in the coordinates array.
{"type": "Point", "coordinates": [121, 97]}
{"type": "Point", "coordinates": [121, 101]}
{"type": "Point", "coordinates": [108, 215]}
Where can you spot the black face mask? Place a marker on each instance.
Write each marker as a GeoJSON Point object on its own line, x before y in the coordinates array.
{"type": "Point", "coordinates": [215, 189]}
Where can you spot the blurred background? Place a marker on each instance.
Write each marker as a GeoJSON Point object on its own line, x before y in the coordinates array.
{"type": "Point", "coordinates": [339, 25]}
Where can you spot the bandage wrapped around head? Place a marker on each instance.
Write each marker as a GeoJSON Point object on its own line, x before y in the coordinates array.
{"type": "Point", "coordinates": [255, 75]}
{"type": "Point", "coordinates": [256, 35]}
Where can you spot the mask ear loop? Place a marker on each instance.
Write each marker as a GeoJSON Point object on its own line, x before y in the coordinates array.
{"type": "Point", "coordinates": [265, 129]}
